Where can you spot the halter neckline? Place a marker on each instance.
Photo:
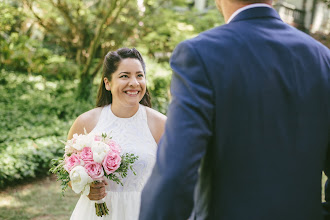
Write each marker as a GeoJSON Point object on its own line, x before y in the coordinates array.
{"type": "Point", "coordinates": [133, 116]}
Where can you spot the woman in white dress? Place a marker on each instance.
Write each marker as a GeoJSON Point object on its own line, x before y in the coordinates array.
{"type": "Point", "coordinates": [123, 110]}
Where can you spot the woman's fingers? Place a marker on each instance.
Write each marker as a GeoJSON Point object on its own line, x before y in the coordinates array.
{"type": "Point", "coordinates": [98, 184]}
{"type": "Point", "coordinates": [97, 191]}
{"type": "Point", "coordinates": [97, 196]}
{"type": "Point", "coordinates": [98, 187]}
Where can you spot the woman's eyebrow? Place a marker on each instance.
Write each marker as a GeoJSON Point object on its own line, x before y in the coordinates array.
{"type": "Point", "coordinates": [124, 72]}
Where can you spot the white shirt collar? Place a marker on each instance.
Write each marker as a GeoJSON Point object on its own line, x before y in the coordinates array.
{"type": "Point", "coordinates": [245, 8]}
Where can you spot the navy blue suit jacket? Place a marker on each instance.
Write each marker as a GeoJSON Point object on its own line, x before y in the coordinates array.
{"type": "Point", "coordinates": [247, 135]}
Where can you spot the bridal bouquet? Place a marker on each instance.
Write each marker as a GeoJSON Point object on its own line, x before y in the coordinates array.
{"type": "Point", "coordinates": [89, 158]}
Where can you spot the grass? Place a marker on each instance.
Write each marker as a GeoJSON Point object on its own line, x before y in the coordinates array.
{"type": "Point", "coordinates": [38, 200]}
{"type": "Point", "coordinates": [41, 200]}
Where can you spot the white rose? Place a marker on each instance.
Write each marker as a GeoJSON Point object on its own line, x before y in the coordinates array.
{"type": "Point", "coordinates": [99, 150]}
{"type": "Point", "coordinates": [69, 149]}
{"type": "Point", "coordinates": [80, 180]}
{"type": "Point", "coordinates": [86, 190]}
{"type": "Point", "coordinates": [75, 136]}
{"type": "Point", "coordinates": [83, 141]}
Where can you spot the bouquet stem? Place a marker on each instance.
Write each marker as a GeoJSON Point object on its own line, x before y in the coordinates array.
{"type": "Point", "coordinates": [101, 209]}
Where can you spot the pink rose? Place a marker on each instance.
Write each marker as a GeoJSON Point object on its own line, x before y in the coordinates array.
{"type": "Point", "coordinates": [87, 155]}
{"type": "Point", "coordinates": [113, 146]}
{"type": "Point", "coordinates": [71, 162]}
{"type": "Point", "coordinates": [111, 162]}
{"type": "Point", "coordinates": [94, 170]}
{"type": "Point", "coordinates": [97, 138]}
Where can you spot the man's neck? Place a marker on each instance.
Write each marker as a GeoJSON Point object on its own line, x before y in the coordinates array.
{"type": "Point", "coordinates": [229, 7]}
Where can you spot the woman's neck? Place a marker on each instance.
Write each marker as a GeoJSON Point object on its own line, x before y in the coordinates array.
{"type": "Point", "coordinates": [124, 111]}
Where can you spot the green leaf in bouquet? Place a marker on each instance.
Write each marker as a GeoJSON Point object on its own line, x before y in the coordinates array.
{"type": "Point", "coordinates": [62, 175]}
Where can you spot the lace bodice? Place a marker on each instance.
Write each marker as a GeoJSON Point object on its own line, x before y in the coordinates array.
{"type": "Point", "coordinates": [134, 136]}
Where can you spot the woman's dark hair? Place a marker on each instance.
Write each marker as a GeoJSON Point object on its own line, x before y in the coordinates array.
{"type": "Point", "coordinates": [110, 65]}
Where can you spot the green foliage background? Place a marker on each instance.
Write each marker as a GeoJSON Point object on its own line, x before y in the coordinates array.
{"type": "Point", "coordinates": [36, 115]}
{"type": "Point", "coordinates": [40, 75]}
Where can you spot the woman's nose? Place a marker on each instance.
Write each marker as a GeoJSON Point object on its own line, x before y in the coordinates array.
{"type": "Point", "coordinates": [133, 82]}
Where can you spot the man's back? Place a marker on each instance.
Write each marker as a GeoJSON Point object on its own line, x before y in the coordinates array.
{"type": "Point", "coordinates": [250, 110]}
{"type": "Point", "coordinates": [271, 92]}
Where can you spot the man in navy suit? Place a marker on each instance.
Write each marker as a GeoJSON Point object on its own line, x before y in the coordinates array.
{"type": "Point", "coordinates": [248, 128]}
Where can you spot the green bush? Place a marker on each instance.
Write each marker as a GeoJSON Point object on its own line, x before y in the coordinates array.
{"type": "Point", "coordinates": [158, 82]}
{"type": "Point", "coordinates": [28, 159]}
{"type": "Point", "coordinates": [36, 115]}
{"type": "Point", "coordinates": [58, 67]}
{"type": "Point", "coordinates": [23, 54]}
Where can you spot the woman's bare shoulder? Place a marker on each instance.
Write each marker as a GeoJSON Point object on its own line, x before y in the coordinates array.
{"type": "Point", "coordinates": [90, 115]}
{"type": "Point", "coordinates": [156, 123]}
{"type": "Point", "coordinates": [155, 115]}
{"type": "Point", "coordinates": [87, 120]}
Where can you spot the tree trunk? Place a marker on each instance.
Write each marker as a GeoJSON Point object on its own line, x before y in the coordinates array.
{"type": "Point", "coordinates": [87, 77]}
{"type": "Point", "coordinates": [313, 14]}
{"type": "Point", "coordinates": [84, 91]}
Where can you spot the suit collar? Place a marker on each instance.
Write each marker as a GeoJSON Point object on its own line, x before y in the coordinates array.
{"type": "Point", "coordinates": [245, 8]}
{"type": "Point", "coordinates": [253, 13]}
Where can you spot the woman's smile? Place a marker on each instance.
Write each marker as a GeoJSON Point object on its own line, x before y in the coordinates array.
{"type": "Point", "coordinates": [132, 93]}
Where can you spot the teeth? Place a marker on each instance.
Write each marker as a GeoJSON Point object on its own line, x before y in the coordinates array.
{"type": "Point", "coordinates": [132, 93]}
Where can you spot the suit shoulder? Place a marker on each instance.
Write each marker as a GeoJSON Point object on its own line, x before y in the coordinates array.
{"type": "Point", "coordinates": [317, 44]}
{"type": "Point", "coordinates": [222, 36]}
{"type": "Point", "coordinates": [213, 33]}
{"type": "Point", "coordinates": [310, 42]}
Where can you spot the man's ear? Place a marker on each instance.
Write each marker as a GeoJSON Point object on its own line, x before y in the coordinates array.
{"type": "Point", "coordinates": [107, 83]}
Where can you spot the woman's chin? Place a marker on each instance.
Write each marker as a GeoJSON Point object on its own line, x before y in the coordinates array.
{"type": "Point", "coordinates": [132, 103]}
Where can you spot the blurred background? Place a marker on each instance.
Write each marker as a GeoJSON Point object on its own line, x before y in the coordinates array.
{"type": "Point", "coordinates": [51, 55]}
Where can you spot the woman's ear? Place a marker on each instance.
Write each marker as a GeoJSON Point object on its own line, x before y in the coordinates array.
{"type": "Point", "coordinates": [106, 83]}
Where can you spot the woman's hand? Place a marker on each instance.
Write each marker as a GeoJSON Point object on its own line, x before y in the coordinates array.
{"type": "Point", "coordinates": [97, 190]}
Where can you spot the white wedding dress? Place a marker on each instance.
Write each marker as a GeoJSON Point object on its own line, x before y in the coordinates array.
{"type": "Point", "coordinates": [133, 136]}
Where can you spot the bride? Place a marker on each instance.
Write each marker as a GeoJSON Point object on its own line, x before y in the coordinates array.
{"type": "Point", "coordinates": [123, 110]}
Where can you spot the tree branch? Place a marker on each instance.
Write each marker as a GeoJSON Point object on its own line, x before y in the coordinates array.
{"type": "Point", "coordinates": [46, 26]}
{"type": "Point", "coordinates": [95, 42]}
{"type": "Point", "coordinates": [65, 11]}
{"type": "Point", "coordinates": [97, 68]}
{"type": "Point", "coordinates": [117, 14]}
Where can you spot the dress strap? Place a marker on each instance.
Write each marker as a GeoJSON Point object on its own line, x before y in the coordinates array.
{"type": "Point", "coordinates": [108, 114]}
{"type": "Point", "coordinates": [102, 119]}
{"type": "Point", "coordinates": [143, 112]}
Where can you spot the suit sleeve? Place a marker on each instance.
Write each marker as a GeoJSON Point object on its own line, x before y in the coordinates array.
{"type": "Point", "coordinates": [168, 193]}
{"type": "Point", "coordinates": [326, 204]}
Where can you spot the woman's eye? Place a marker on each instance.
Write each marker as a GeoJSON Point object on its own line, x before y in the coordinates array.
{"type": "Point", "coordinates": [140, 75]}
{"type": "Point", "coordinates": [123, 76]}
